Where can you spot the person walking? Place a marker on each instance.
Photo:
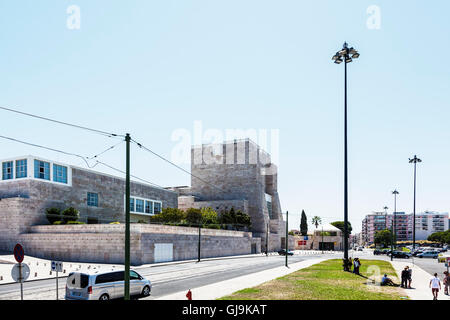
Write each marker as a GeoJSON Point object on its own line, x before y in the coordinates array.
{"type": "Point", "coordinates": [404, 278]}
{"type": "Point", "coordinates": [446, 282]}
{"type": "Point", "coordinates": [435, 285]}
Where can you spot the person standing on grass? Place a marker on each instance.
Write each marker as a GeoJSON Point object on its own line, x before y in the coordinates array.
{"type": "Point", "coordinates": [435, 285]}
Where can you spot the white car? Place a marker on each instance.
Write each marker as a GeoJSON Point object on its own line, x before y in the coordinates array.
{"type": "Point", "coordinates": [428, 254]}
{"type": "Point", "coordinates": [105, 286]}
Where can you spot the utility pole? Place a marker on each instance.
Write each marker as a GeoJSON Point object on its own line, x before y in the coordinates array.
{"type": "Point", "coordinates": [414, 160]}
{"type": "Point", "coordinates": [199, 241]}
{"type": "Point", "coordinates": [127, 219]}
{"type": "Point", "coordinates": [287, 236]}
{"type": "Point", "coordinates": [267, 240]}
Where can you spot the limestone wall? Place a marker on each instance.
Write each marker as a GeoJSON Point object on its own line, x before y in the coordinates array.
{"type": "Point", "coordinates": [105, 243]}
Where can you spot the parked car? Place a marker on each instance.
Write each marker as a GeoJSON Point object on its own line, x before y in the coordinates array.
{"type": "Point", "coordinates": [377, 252]}
{"type": "Point", "coordinates": [282, 252]}
{"type": "Point", "coordinates": [105, 286]}
{"type": "Point", "coordinates": [428, 254]}
{"type": "Point", "coordinates": [360, 249]}
{"type": "Point", "coordinates": [417, 252]}
{"type": "Point", "coordinates": [401, 254]}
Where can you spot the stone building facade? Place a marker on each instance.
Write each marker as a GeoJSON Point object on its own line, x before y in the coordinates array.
{"type": "Point", "coordinates": [239, 175]}
{"type": "Point", "coordinates": [30, 185]}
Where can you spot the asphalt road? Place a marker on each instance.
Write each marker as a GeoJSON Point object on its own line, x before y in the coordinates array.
{"type": "Point", "coordinates": [167, 279]}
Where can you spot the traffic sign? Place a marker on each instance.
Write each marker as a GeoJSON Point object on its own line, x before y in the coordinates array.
{"type": "Point", "coordinates": [57, 266]}
{"type": "Point", "coordinates": [19, 254]}
{"type": "Point", "coordinates": [20, 272]}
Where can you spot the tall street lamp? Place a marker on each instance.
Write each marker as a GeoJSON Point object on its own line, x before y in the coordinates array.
{"type": "Point", "coordinates": [414, 160]}
{"type": "Point", "coordinates": [395, 193]}
{"type": "Point", "coordinates": [345, 55]}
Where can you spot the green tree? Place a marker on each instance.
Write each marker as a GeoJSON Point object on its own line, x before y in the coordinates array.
{"type": "Point", "coordinates": [243, 220]}
{"type": "Point", "coordinates": [441, 237]}
{"type": "Point", "coordinates": [340, 226]}
{"type": "Point", "coordinates": [304, 224]}
{"type": "Point", "coordinates": [383, 237]}
{"type": "Point", "coordinates": [209, 216]}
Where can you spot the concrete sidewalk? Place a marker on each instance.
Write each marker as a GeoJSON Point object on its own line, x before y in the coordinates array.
{"type": "Point", "coordinates": [420, 289]}
{"type": "Point", "coordinates": [227, 287]}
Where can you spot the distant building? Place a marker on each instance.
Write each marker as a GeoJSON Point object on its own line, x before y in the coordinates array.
{"type": "Point", "coordinates": [427, 222]}
{"type": "Point", "coordinates": [324, 237]}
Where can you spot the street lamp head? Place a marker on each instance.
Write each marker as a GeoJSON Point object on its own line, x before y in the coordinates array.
{"type": "Point", "coordinates": [415, 160]}
{"type": "Point", "coordinates": [355, 55]}
{"type": "Point", "coordinates": [338, 61]}
{"type": "Point", "coordinates": [348, 60]}
{"type": "Point", "coordinates": [395, 192]}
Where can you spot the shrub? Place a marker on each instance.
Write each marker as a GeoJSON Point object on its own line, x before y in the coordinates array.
{"type": "Point", "coordinates": [194, 216]}
{"type": "Point", "coordinates": [169, 215]}
{"type": "Point", "coordinates": [142, 221]}
{"type": "Point", "coordinates": [57, 222]}
{"type": "Point", "coordinates": [75, 222]}
{"type": "Point", "coordinates": [208, 216]}
{"type": "Point", "coordinates": [115, 222]}
{"type": "Point", "coordinates": [53, 215]}
{"type": "Point", "coordinates": [70, 214]}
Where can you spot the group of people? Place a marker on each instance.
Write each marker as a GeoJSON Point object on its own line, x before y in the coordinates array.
{"type": "Point", "coordinates": [435, 284]}
{"type": "Point", "coordinates": [356, 264]}
{"type": "Point", "coordinates": [406, 278]}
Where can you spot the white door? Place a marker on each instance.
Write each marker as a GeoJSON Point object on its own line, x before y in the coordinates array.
{"type": "Point", "coordinates": [163, 252]}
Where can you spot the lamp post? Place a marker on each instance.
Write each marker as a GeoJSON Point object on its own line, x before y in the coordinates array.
{"type": "Point", "coordinates": [344, 56]}
{"type": "Point", "coordinates": [414, 160]}
{"type": "Point", "coordinates": [287, 237]}
{"type": "Point", "coordinates": [395, 193]}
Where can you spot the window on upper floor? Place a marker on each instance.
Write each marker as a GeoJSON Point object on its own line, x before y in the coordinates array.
{"type": "Point", "coordinates": [41, 170]}
{"type": "Point", "coordinates": [59, 173]}
{"type": "Point", "coordinates": [21, 168]}
{"type": "Point", "coordinates": [7, 170]}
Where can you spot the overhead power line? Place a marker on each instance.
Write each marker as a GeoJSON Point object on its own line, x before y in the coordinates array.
{"type": "Point", "coordinates": [108, 134]}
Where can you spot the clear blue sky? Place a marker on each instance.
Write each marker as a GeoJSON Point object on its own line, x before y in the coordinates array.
{"type": "Point", "coordinates": [152, 67]}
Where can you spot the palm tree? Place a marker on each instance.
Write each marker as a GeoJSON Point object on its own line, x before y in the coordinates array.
{"type": "Point", "coordinates": [316, 221]}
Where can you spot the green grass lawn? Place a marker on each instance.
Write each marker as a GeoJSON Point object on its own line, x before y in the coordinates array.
{"type": "Point", "coordinates": [327, 281]}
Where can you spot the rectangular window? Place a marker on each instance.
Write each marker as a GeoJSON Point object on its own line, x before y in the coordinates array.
{"type": "Point", "coordinates": [7, 168]}
{"type": "Point", "coordinates": [21, 168]}
{"type": "Point", "coordinates": [59, 173]}
{"type": "Point", "coordinates": [92, 199]}
{"type": "Point", "coordinates": [157, 207]}
{"type": "Point", "coordinates": [139, 205]}
{"type": "Point", "coordinates": [149, 207]}
{"type": "Point", "coordinates": [41, 170]}
{"type": "Point", "coordinates": [131, 204]}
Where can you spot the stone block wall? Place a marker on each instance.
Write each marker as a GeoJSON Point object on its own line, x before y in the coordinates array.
{"type": "Point", "coordinates": [105, 243]}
